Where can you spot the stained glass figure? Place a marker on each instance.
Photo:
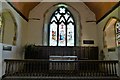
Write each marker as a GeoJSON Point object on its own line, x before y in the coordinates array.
{"type": "Point", "coordinates": [53, 34]}
{"type": "Point", "coordinates": [70, 34]}
{"type": "Point", "coordinates": [62, 36]}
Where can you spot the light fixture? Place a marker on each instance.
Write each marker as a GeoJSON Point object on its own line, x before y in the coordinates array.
{"type": "Point", "coordinates": [62, 5]}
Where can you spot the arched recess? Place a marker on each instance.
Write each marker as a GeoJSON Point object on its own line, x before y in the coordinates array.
{"type": "Point", "coordinates": [9, 32]}
{"type": "Point", "coordinates": [111, 34]}
{"type": "Point", "coordinates": [47, 18]}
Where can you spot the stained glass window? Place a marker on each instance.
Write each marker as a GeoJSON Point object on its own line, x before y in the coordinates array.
{"type": "Point", "coordinates": [62, 28]}
{"type": "Point", "coordinates": [62, 35]}
{"type": "Point", "coordinates": [53, 34]}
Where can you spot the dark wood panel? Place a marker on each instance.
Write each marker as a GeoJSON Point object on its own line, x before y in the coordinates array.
{"type": "Point", "coordinates": [43, 52]}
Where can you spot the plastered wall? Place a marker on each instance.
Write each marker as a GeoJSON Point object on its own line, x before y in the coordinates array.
{"type": "Point", "coordinates": [88, 30]}
{"type": "Point", "coordinates": [17, 50]}
{"type": "Point", "coordinates": [100, 26]}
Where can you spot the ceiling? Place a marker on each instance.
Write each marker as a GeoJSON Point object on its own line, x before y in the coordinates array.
{"type": "Point", "coordinates": [98, 8]}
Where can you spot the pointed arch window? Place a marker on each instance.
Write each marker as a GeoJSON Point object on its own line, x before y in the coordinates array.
{"type": "Point", "coordinates": [62, 28]}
